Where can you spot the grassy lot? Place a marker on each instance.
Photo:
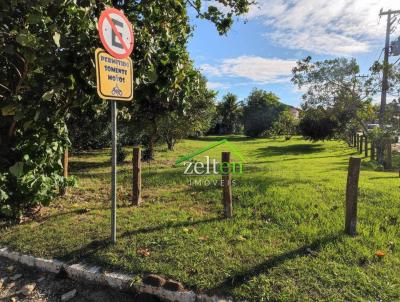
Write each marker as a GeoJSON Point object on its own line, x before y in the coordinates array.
{"type": "Point", "coordinates": [285, 242]}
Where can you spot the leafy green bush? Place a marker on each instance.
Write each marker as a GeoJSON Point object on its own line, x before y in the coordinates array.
{"type": "Point", "coordinates": [46, 70]}
{"type": "Point", "coordinates": [36, 175]}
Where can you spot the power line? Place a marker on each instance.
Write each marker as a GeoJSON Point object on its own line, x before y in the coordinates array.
{"type": "Point", "coordinates": [380, 54]}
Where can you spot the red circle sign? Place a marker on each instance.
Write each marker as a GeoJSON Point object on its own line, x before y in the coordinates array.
{"type": "Point", "coordinates": [116, 33]}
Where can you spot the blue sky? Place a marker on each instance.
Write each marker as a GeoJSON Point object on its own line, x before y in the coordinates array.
{"type": "Point", "coordinates": [261, 52]}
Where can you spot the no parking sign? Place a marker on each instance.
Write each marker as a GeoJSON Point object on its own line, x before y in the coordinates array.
{"type": "Point", "coordinates": [116, 33]}
{"type": "Point", "coordinates": [114, 68]}
{"type": "Point", "coordinates": [114, 81]}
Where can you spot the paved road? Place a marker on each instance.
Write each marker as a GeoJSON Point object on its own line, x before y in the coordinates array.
{"type": "Point", "coordinates": [31, 285]}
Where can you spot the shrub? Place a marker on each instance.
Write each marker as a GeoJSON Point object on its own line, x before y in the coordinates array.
{"type": "Point", "coordinates": [317, 124]}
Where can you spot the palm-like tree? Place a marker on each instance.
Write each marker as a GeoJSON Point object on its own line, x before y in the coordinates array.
{"type": "Point", "coordinates": [229, 112]}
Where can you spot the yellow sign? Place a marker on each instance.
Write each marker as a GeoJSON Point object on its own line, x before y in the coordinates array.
{"type": "Point", "coordinates": [114, 77]}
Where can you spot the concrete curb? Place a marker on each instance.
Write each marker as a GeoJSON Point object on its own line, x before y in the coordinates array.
{"type": "Point", "coordinates": [95, 275]}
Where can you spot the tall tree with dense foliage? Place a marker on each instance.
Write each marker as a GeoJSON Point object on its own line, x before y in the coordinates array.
{"type": "Point", "coordinates": [260, 111]}
{"type": "Point", "coordinates": [337, 86]}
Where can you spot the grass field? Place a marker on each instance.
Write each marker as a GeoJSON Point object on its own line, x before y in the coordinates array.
{"type": "Point", "coordinates": [285, 242]}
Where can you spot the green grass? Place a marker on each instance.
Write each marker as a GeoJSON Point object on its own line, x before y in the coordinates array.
{"type": "Point", "coordinates": [285, 242]}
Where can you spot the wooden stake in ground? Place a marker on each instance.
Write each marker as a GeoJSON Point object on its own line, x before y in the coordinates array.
{"type": "Point", "coordinates": [63, 190]}
{"type": "Point", "coordinates": [226, 184]}
{"type": "Point", "coordinates": [373, 148]}
{"type": "Point", "coordinates": [358, 142]}
{"type": "Point", "coordinates": [137, 176]}
{"type": "Point", "coordinates": [352, 196]}
{"type": "Point", "coordinates": [388, 158]}
{"type": "Point", "coordinates": [366, 146]}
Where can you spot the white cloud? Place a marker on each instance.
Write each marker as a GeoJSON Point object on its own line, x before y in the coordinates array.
{"type": "Point", "coordinates": [216, 85]}
{"type": "Point", "coordinates": [339, 27]}
{"type": "Point", "coordinates": [257, 69]}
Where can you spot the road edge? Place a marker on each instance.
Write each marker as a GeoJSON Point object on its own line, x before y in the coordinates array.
{"type": "Point", "coordinates": [117, 281]}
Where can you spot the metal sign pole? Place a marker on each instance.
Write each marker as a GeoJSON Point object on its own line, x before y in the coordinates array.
{"type": "Point", "coordinates": [114, 172]}
{"type": "Point", "coordinates": [116, 34]}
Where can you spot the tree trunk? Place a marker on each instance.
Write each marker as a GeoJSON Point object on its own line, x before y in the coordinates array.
{"type": "Point", "coordinates": [366, 146]}
{"type": "Point", "coordinates": [373, 150]}
{"type": "Point", "coordinates": [380, 151]}
{"type": "Point", "coordinates": [388, 154]}
{"type": "Point", "coordinates": [150, 148]}
{"type": "Point", "coordinates": [170, 143]}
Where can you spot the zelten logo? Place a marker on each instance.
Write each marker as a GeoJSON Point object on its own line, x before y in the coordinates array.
{"type": "Point", "coordinates": [211, 166]}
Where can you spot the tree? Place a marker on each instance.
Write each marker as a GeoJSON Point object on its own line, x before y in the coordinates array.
{"type": "Point", "coordinates": [261, 110]}
{"type": "Point", "coordinates": [165, 87]}
{"type": "Point", "coordinates": [336, 85]}
{"type": "Point", "coordinates": [45, 55]}
{"type": "Point", "coordinates": [285, 125]}
{"type": "Point", "coordinates": [228, 117]}
{"type": "Point", "coordinates": [195, 118]}
{"type": "Point", "coordinates": [318, 124]}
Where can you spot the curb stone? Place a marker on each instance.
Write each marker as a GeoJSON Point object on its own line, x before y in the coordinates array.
{"type": "Point", "coordinates": [95, 275]}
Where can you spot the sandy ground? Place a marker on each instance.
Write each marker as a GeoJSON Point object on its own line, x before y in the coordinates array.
{"type": "Point", "coordinates": [21, 283]}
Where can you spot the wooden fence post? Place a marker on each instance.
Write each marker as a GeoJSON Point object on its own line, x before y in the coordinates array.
{"type": "Point", "coordinates": [137, 176]}
{"type": "Point", "coordinates": [373, 148]}
{"type": "Point", "coordinates": [355, 140]}
{"type": "Point", "coordinates": [361, 144]}
{"type": "Point", "coordinates": [352, 196]}
{"type": "Point", "coordinates": [388, 157]}
{"type": "Point", "coordinates": [358, 142]}
{"type": "Point", "coordinates": [227, 186]}
{"type": "Point", "coordinates": [366, 146]}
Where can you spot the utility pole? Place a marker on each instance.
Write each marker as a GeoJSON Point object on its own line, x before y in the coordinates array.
{"type": "Point", "coordinates": [390, 21]}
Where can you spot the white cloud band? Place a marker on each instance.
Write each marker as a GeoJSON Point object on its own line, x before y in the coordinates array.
{"type": "Point", "coordinates": [254, 68]}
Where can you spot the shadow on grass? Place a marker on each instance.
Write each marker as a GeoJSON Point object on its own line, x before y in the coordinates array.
{"type": "Point", "coordinates": [385, 177]}
{"type": "Point", "coordinates": [80, 211]}
{"type": "Point", "coordinates": [231, 138]}
{"type": "Point", "coordinates": [300, 158]}
{"type": "Point", "coordinates": [296, 149]}
{"type": "Point", "coordinates": [238, 279]}
{"type": "Point", "coordinates": [84, 166]}
{"type": "Point", "coordinates": [4, 223]}
{"type": "Point", "coordinates": [87, 251]}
